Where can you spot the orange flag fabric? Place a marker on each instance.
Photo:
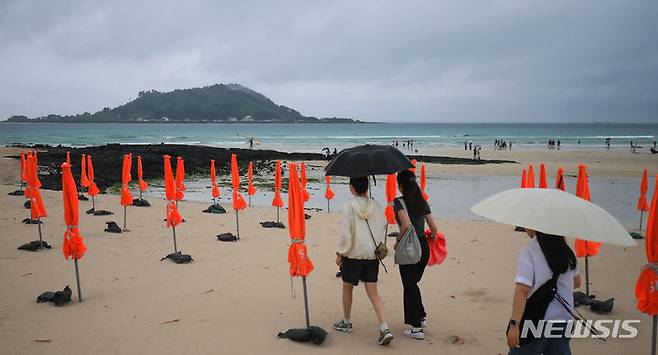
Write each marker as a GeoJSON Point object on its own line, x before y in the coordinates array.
{"type": "Point", "coordinates": [559, 179]}
{"type": "Point", "coordinates": [423, 182]}
{"type": "Point", "coordinates": [213, 179]}
{"type": "Point", "coordinates": [277, 201]}
{"type": "Point", "coordinates": [173, 217]}
{"type": "Point", "coordinates": [543, 184]}
{"type": "Point", "coordinates": [524, 180]}
{"type": "Point", "coordinates": [328, 192]}
{"type": "Point", "coordinates": [180, 179]}
{"type": "Point", "coordinates": [391, 191]}
{"type": "Point", "coordinates": [300, 263]}
{"type": "Point", "coordinates": [642, 204]}
{"type": "Point", "coordinates": [304, 191]}
{"type": "Point", "coordinates": [251, 190]}
{"type": "Point", "coordinates": [238, 201]}
{"type": "Point", "coordinates": [84, 180]}
{"type": "Point", "coordinates": [645, 288]}
{"type": "Point", "coordinates": [143, 186]}
{"type": "Point", "coordinates": [530, 183]}
{"type": "Point", "coordinates": [584, 247]}
{"type": "Point", "coordinates": [73, 245]}
{"type": "Point", "coordinates": [93, 189]}
{"type": "Point", "coordinates": [126, 196]}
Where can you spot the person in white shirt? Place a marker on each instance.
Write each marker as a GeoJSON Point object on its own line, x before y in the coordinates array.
{"type": "Point", "coordinates": [364, 227]}
{"type": "Point", "coordinates": [538, 260]}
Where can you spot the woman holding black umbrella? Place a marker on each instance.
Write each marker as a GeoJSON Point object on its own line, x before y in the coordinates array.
{"type": "Point", "coordinates": [412, 209]}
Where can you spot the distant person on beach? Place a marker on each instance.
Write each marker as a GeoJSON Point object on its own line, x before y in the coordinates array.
{"type": "Point", "coordinates": [465, 145]}
{"type": "Point", "coordinates": [251, 143]}
{"type": "Point", "coordinates": [538, 260]}
{"type": "Point", "coordinates": [558, 144]}
{"type": "Point", "coordinates": [654, 144]}
{"type": "Point", "coordinates": [335, 151]}
{"type": "Point", "coordinates": [364, 227]}
{"type": "Point", "coordinates": [470, 145]}
{"type": "Point", "coordinates": [412, 209]}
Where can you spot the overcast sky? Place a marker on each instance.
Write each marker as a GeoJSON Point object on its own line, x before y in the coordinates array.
{"type": "Point", "coordinates": [431, 61]}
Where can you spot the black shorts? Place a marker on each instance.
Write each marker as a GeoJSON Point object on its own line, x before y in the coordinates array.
{"type": "Point", "coordinates": [355, 270]}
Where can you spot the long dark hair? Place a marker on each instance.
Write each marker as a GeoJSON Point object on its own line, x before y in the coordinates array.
{"type": "Point", "coordinates": [411, 193]}
{"type": "Point", "coordinates": [559, 256]}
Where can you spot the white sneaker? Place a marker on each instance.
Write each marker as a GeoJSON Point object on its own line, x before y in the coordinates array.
{"type": "Point", "coordinates": [423, 323]}
{"type": "Point", "coordinates": [416, 334]}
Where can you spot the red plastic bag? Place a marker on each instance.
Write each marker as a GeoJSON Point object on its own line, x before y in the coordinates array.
{"type": "Point", "coordinates": [438, 248]}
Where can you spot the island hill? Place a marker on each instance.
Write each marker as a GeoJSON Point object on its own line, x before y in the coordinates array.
{"type": "Point", "coordinates": [223, 103]}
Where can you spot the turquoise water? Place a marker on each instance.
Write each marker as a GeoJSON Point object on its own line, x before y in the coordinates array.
{"type": "Point", "coordinates": [313, 137]}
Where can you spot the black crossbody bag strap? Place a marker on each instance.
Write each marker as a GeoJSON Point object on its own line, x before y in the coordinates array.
{"type": "Point", "coordinates": [374, 242]}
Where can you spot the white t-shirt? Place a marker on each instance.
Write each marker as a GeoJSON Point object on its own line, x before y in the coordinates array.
{"type": "Point", "coordinates": [532, 270]}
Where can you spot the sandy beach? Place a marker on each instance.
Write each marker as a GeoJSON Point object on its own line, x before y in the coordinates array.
{"type": "Point", "coordinates": [235, 297]}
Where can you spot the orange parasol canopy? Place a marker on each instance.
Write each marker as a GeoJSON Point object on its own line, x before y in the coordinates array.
{"type": "Point", "coordinates": [530, 183]}
{"type": "Point", "coordinates": [73, 246]}
{"type": "Point", "coordinates": [126, 196]}
{"type": "Point", "coordinates": [304, 191]}
{"type": "Point", "coordinates": [142, 184]}
{"type": "Point", "coordinates": [180, 179]}
{"type": "Point", "coordinates": [277, 201]}
{"type": "Point", "coordinates": [645, 288]}
{"type": "Point", "coordinates": [23, 176]}
{"type": "Point", "coordinates": [213, 179]}
{"type": "Point", "coordinates": [642, 204]}
{"type": "Point", "coordinates": [328, 193]}
{"type": "Point", "coordinates": [423, 182]}
{"type": "Point", "coordinates": [300, 264]}
{"type": "Point", "coordinates": [414, 162]}
{"type": "Point", "coordinates": [251, 190]}
{"type": "Point", "coordinates": [543, 184]}
{"type": "Point", "coordinates": [84, 180]}
{"type": "Point", "coordinates": [173, 217]}
{"type": "Point", "coordinates": [238, 201]}
{"type": "Point", "coordinates": [68, 158]}
{"type": "Point", "coordinates": [559, 179]}
{"type": "Point", "coordinates": [37, 207]}
{"type": "Point", "coordinates": [584, 247]}
{"type": "Point", "coordinates": [524, 180]}
{"type": "Point", "coordinates": [391, 191]}
{"type": "Point", "coordinates": [93, 189]}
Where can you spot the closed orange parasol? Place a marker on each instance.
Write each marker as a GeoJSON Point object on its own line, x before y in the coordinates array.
{"type": "Point", "coordinates": [391, 192]}
{"type": "Point", "coordinates": [300, 263]}
{"type": "Point", "coordinates": [251, 190]}
{"type": "Point", "coordinates": [68, 158]}
{"type": "Point", "coordinates": [328, 192]}
{"type": "Point", "coordinates": [585, 248]}
{"type": "Point", "coordinates": [37, 208]}
{"type": "Point", "coordinates": [645, 287]}
{"type": "Point", "coordinates": [277, 201]}
{"type": "Point", "coordinates": [213, 181]}
{"type": "Point", "coordinates": [543, 184]}
{"type": "Point", "coordinates": [84, 180]}
{"type": "Point", "coordinates": [414, 162]}
{"type": "Point", "coordinates": [23, 176]}
{"type": "Point", "coordinates": [126, 196]}
{"type": "Point", "coordinates": [530, 183]}
{"type": "Point", "coordinates": [73, 245]}
{"type": "Point", "coordinates": [303, 179]}
{"type": "Point", "coordinates": [559, 179]}
{"type": "Point", "coordinates": [143, 186]}
{"type": "Point", "coordinates": [173, 217]}
{"type": "Point", "coordinates": [93, 189]}
{"type": "Point", "coordinates": [238, 200]}
{"type": "Point", "coordinates": [180, 179]}
{"type": "Point", "coordinates": [423, 182]}
{"type": "Point", "coordinates": [642, 204]}
{"type": "Point", "coordinates": [524, 179]}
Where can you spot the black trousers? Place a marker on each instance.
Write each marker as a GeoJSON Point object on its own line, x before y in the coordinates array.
{"type": "Point", "coordinates": [411, 275]}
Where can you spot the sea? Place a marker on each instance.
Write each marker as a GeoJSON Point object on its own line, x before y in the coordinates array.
{"type": "Point", "coordinates": [451, 195]}
{"type": "Point", "coordinates": [314, 137]}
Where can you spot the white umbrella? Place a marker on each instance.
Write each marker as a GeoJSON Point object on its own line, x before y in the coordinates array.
{"type": "Point", "coordinates": [553, 211]}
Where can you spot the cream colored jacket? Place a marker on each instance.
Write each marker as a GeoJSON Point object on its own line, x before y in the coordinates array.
{"type": "Point", "coordinates": [355, 241]}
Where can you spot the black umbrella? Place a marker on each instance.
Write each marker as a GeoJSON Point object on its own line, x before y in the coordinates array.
{"type": "Point", "coordinates": [367, 160]}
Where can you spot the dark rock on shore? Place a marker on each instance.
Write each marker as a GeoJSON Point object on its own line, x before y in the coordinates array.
{"type": "Point", "coordinates": [460, 161]}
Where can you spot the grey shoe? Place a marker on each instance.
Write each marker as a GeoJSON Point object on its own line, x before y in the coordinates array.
{"type": "Point", "coordinates": [415, 333]}
{"type": "Point", "coordinates": [343, 326]}
{"type": "Point", "coordinates": [385, 337]}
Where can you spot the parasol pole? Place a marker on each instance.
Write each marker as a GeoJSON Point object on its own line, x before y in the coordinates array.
{"type": "Point", "coordinates": [237, 222]}
{"type": "Point", "coordinates": [653, 334]}
{"type": "Point", "coordinates": [306, 303]}
{"type": "Point", "coordinates": [586, 274]}
{"type": "Point", "coordinates": [249, 196]}
{"type": "Point", "coordinates": [93, 203]}
{"type": "Point", "coordinates": [140, 194]}
{"type": "Point", "coordinates": [328, 207]}
{"type": "Point", "coordinates": [277, 215]}
{"type": "Point", "coordinates": [124, 219]}
{"type": "Point", "coordinates": [641, 215]}
{"type": "Point", "coordinates": [39, 226]}
{"type": "Point", "coordinates": [173, 229]}
{"type": "Point", "coordinates": [77, 279]}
